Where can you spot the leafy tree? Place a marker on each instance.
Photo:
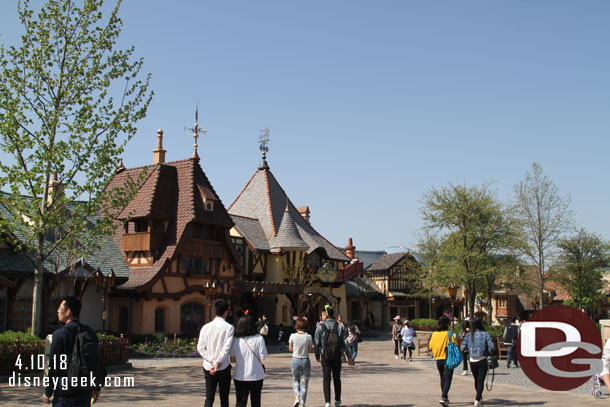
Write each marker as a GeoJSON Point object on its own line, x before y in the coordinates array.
{"type": "Point", "coordinates": [475, 226]}
{"type": "Point", "coordinates": [544, 216]}
{"type": "Point", "coordinates": [583, 259]}
{"type": "Point", "coordinates": [69, 101]}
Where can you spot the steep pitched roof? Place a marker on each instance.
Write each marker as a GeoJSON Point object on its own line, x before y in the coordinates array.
{"type": "Point", "coordinates": [251, 229]}
{"type": "Point", "coordinates": [386, 261]}
{"type": "Point", "coordinates": [176, 191]}
{"type": "Point", "coordinates": [264, 199]}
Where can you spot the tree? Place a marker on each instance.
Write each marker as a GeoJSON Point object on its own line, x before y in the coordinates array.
{"type": "Point", "coordinates": [64, 129]}
{"type": "Point", "coordinates": [583, 259]}
{"type": "Point", "coordinates": [544, 216]}
{"type": "Point", "coordinates": [476, 227]}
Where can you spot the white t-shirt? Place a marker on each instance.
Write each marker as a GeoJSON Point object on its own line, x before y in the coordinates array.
{"type": "Point", "coordinates": [247, 365]}
{"type": "Point", "coordinates": [300, 345]}
{"type": "Point", "coordinates": [606, 358]}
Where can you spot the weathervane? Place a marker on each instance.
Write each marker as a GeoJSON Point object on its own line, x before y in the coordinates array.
{"type": "Point", "coordinates": [263, 140]}
{"type": "Point", "coordinates": [196, 130]}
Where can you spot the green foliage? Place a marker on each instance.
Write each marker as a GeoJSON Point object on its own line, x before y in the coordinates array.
{"type": "Point", "coordinates": [12, 336]}
{"type": "Point", "coordinates": [69, 101]}
{"type": "Point", "coordinates": [162, 345]}
{"type": "Point", "coordinates": [475, 230]}
{"type": "Point", "coordinates": [583, 259]}
{"type": "Point", "coordinates": [424, 324]}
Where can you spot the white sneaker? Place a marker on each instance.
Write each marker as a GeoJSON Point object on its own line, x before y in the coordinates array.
{"type": "Point", "coordinates": [465, 373]}
{"type": "Point", "coordinates": [476, 404]}
{"type": "Point", "coordinates": [327, 405]}
{"type": "Point", "coordinates": [296, 403]}
{"type": "Point", "coordinates": [396, 357]}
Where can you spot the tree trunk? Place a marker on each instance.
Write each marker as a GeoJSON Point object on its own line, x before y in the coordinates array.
{"type": "Point", "coordinates": [37, 294]}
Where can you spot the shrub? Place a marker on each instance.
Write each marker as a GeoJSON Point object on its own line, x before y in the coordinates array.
{"type": "Point", "coordinates": [12, 336]}
{"type": "Point", "coordinates": [424, 324]}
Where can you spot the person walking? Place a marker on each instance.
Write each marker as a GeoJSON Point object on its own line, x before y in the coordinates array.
{"type": "Point", "coordinates": [300, 344]}
{"type": "Point", "coordinates": [353, 337]}
{"type": "Point", "coordinates": [438, 346]}
{"type": "Point", "coordinates": [408, 335]}
{"type": "Point", "coordinates": [330, 337]}
{"type": "Point", "coordinates": [479, 345]}
{"type": "Point", "coordinates": [62, 346]}
{"type": "Point", "coordinates": [511, 333]}
{"type": "Point", "coordinates": [396, 328]}
{"type": "Point", "coordinates": [248, 351]}
{"type": "Point", "coordinates": [214, 345]}
{"type": "Point", "coordinates": [463, 332]}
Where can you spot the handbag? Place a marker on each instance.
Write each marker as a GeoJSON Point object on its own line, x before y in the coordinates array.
{"type": "Point", "coordinates": [492, 364]}
{"type": "Point", "coordinates": [454, 356]}
{"type": "Point", "coordinates": [255, 355]}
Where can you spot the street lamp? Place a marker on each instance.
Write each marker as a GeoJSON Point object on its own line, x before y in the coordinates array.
{"type": "Point", "coordinates": [105, 283]}
{"type": "Point", "coordinates": [452, 294]}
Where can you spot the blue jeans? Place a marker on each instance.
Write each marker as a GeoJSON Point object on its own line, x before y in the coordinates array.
{"type": "Point", "coordinates": [301, 368]}
{"type": "Point", "coordinates": [511, 354]}
{"type": "Point", "coordinates": [80, 400]}
{"type": "Point", "coordinates": [352, 350]}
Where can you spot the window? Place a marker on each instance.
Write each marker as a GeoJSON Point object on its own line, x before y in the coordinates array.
{"type": "Point", "coordinates": [195, 264]}
{"type": "Point", "coordinates": [198, 231]}
{"type": "Point", "coordinates": [209, 206]}
{"type": "Point", "coordinates": [159, 320]}
{"type": "Point", "coordinates": [192, 317]}
{"type": "Point", "coordinates": [141, 225]}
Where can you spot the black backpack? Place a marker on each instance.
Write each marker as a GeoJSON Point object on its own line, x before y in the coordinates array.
{"type": "Point", "coordinates": [85, 361]}
{"type": "Point", "coordinates": [332, 344]}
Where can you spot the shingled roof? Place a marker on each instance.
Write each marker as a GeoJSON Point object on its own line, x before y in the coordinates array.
{"type": "Point", "coordinates": [175, 191]}
{"type": "Point", "coordinates": [264, 199]}
{"type": "Point", "coordinates": [288, 237]}
{"type": "Point", "coordinates": [386, 261]}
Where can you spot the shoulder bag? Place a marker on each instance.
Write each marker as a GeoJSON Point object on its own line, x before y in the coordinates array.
{"type": "Point", "coordinates": [255, 355]}
{"type": "Point", "coordinates": [454, 356]}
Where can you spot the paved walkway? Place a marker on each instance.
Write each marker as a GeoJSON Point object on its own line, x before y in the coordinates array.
{"type": "Point", "coordinates": [377, 380]}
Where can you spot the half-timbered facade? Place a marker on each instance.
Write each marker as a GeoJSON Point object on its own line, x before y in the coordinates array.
{"type": "Point", "coordinates": [175, 239]}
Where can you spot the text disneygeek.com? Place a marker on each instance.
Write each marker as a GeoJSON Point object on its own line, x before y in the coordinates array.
{"type": "Point", "coordinates": [16, 380]}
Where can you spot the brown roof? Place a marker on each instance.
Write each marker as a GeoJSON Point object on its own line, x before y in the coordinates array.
{"type": "Point", "coordinates": [173, 191]}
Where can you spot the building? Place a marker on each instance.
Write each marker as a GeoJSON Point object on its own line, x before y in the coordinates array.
{"type": "Point", "coordinates": [289, 267]}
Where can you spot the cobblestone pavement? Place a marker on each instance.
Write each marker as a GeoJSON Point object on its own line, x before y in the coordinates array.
{"type": "Point", "coordinates": [377, 380]}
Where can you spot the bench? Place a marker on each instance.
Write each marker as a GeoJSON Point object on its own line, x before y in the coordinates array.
{"type": "Point", "coordinates": [502, 349]}
{"type": "Point", "coordinates": [423, 342]}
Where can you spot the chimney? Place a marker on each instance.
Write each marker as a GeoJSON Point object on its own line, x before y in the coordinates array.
{"type": "Point", "coordinates": [159, 152]}
{"type": "Point", "coordinates": [304, 211]}
{"type": "Point", "coordinates": [350, 249]}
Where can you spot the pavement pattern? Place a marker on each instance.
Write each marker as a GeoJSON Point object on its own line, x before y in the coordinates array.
{"type": "Point", "coordinates": [377, 380]}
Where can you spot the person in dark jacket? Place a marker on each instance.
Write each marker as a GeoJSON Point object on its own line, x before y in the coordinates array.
{"type": "Point", "coordinates": [59, 357]}
{"type": "Point", "coordinates": [511, 333]}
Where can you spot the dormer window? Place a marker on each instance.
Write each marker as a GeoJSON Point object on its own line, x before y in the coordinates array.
{"type": "Point", "coordinates": [209, 206]}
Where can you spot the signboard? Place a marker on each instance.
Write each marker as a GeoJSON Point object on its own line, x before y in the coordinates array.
{"type": "Point", "coordinates": [327, 276]}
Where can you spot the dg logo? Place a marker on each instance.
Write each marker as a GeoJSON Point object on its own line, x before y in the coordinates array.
{"type": "Point", "coordinates": [560, 348]}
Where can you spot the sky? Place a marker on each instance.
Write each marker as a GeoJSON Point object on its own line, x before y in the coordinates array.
{"type": "Point", "coordinates": [372, 103]}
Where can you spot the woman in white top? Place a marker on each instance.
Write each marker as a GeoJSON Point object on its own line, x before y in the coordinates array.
{"type": "Point", "coordinates": [300, 344]}
{"type": "Point", "coordinates": [248, 352]}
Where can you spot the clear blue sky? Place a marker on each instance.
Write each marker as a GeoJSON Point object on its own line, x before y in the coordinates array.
{"type": "Point", "coordinates": [371, 103]}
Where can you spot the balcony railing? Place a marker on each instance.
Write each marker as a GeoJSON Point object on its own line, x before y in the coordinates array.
{"type": "Point", "coordinates": [141, 241]}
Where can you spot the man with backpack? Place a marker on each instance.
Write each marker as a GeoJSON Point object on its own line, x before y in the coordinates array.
{"type": "Point", "coordinates": [330, 339]}
{"type": "Point", "coordinates": [74, 358]}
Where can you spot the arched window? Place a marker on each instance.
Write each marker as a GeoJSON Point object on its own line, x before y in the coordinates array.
{"type": "Point", "coordinates": [192, 317]}
{"type": "Point", "coordinates": [159, 320]}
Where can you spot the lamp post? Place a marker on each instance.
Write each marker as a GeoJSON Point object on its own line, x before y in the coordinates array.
{"type": "Point", "coordinates": [210, 290]}
{"type": "Point", "coordinates": [452, 294]}
{"type": "Point", "coordinates": [105, 283]}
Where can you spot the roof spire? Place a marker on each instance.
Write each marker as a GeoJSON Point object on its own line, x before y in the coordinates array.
{"type": "Point", "coordinates": [196, 130]}
{"type": "Point", "coordinates": [263, 140]}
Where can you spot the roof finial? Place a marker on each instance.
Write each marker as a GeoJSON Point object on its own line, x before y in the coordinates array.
{"type": "Point", "coordinates": [263, 140]}
{"type": "Point", "coordinates": [196, 130]}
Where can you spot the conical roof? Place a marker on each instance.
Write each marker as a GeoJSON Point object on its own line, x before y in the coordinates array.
{"type": "Point", "coordinates": [288, 237]}
{"type": "Point", "coordinates": [264, 200]}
